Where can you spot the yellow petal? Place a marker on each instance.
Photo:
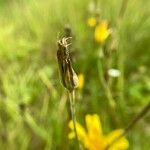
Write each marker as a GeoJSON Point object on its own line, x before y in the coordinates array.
{"type": "Point", "coordinates": [81, 81]}
{"type": "Point", "coordinates": [93, 125]}
{"type": "Point", "coordinates": [96, 142]}
{"type": "Point", "coordinates": [114, 134]}
{"type": "Point", "coordinates": [102, 31]}
{"type": "Point", "coordinates": [80, 132]}
{"type": "Point", "coordinates": [121, 144]}
{"type": "Point", "coordinates": [91, 21]}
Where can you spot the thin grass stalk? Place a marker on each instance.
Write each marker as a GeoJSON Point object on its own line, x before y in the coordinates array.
{"type": "Point", "coordinates": [123, 8]}
{"type": "Point", "coordinates": [121, 58]}
{"type": "Point", "coordinates": [73, 114]}
{"type": "Point", "coordinates": [105, 86]}
{"type": "Point", "coordinates": [131, 124]}
{"type": "Point", "coordinates": [108, 93]}
{"type": "Point", "coordinates": [121, 54]}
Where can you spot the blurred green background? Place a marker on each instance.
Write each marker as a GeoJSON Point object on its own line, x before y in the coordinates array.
{"type": "Point", "coordinates": [33, 103]}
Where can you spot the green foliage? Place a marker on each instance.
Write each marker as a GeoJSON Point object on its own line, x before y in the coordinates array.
{"type": "Point", "coordinates": [33, 104]}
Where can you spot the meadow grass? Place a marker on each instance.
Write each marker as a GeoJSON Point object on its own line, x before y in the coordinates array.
{"type": "Point", "coordinates": [33, 103]}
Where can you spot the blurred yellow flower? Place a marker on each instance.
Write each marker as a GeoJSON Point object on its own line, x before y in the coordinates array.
{"type": "Point", "coordinates": [91, 21]}
{"type": "Point", "coordinates": [81, 81]}
{"type": "Point", "coordinates": [102, 31]}
{"type": "Point", "coordinates": [94, 139]}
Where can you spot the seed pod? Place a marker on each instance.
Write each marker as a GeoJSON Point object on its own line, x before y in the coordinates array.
{"type": "Point", "coordinates": [68, 76]}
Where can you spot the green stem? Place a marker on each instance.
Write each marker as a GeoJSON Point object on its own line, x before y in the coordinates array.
{"type": "Point", "coordinates": [72, 108]}
{"type": "Point", "coordinates": [121, 57]}
{"type": "Point", "coordinates": [137, 118]}
{"type": "Point", "coordinates": [121, 54]}
{"type": "Point", "coordinates": [105, 86]}
{"type": "Point", "coordinates": [123, 8]}
{"type": "Point", "coordinates": [131, 124]}
{"type": "Point", "coordinates": [108, 93]}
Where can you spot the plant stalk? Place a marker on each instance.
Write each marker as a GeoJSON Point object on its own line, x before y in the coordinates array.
{"type": "Point", "coordinates": [73, 114]}
{"type": "Point", "coordinates": [131, 124]}
{"type": "Point", "coordinates": [123, 8]}
{"type": "Point", "coordinates": [105, 86]}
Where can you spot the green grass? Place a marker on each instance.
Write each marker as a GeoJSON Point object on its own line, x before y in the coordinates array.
{"type": "Point", "coordinates": [33, 110]}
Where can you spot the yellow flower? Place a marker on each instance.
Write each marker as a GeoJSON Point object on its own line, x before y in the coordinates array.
{"type": "Point", "coordinates": [91, 21]}
{"type": "Point", "coordinates": [94, 139]}
{"type": "Point", "coordinates": [81, 81]}
{"type": "Point", "coordinates": [102, 31]}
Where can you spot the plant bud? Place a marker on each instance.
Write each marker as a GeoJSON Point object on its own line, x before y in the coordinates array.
{"type": "Point", "coordinates": [68, 76]}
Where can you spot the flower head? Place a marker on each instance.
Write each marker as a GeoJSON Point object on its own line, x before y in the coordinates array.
{"type": "Point", "coordinates": [91, 21]}
{"type": "Point", "coordinates": [114, 72]}
{"type": "Point", "coordinates": [93, 138]}
{"type": "Point", "coordinates": [102, 32]}
{"type": "Point", "coordinates": [81, 81]}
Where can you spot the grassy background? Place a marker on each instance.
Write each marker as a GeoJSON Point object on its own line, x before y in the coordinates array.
{"type": "Point", "coordinates": [33, 110]}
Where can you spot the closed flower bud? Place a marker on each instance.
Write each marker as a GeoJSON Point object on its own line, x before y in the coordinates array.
{"type": "Point", "coordinates": [68, 76]}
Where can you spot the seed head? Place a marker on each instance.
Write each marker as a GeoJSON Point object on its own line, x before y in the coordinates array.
{"type": "Point", "coordinates": [68, 76]}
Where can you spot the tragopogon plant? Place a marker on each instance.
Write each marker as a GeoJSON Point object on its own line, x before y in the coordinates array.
{"type": "Point", "coordinates": [68, 76]}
